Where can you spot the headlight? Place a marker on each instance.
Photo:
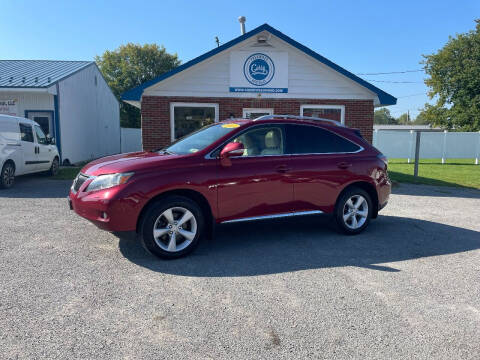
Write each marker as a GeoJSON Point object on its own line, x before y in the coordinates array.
{"type": "Point", "coordinates": [108, 181]}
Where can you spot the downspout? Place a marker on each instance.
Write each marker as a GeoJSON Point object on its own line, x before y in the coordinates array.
{"type": "Point", "coordinates": [58, 137]}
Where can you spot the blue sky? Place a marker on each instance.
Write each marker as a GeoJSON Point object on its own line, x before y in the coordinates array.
{"type": "Point", "coordinates": [361, 36]}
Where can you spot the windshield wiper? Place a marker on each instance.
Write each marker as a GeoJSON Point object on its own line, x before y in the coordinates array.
{"type": "Point", "coordinates": [164, 152]}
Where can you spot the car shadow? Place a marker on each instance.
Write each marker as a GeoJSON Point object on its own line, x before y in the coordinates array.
{"type": "Point", "coordinates": [37, 186]}
{"type": "Point", "coordinates": [435, 191]}
{"type": "Point", "coordinates": [278, 246]}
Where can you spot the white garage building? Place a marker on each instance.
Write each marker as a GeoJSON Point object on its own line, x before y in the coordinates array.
{"type": "Point", "coordinates": [69, 99]}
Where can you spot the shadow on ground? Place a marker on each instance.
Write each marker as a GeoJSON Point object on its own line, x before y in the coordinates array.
{"type": "Point", "coordinates": [270, 247]}
{"type": "Point", "coordinates": [445, 190]}
{"type": "Point", "coordinates": [37, 186]}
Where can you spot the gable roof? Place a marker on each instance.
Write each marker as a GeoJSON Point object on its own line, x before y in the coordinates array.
{"type": "Point", "coordinates": [135, 94]}
{"type": "Point", "coordinates": [37, 73]}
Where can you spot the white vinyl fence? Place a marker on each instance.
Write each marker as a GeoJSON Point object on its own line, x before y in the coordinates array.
{"type": "Point", "coordinates": [131, 140]}
{"type": "Point", "coordinates": [433, 145]}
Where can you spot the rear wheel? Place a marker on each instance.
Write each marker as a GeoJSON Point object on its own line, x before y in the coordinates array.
{"type": "Point", "coordinates": [7, 176]}
{"type": "Point", "coordinates": [172, 227]}
{"type": "Point", "coordinates": [353, 211]}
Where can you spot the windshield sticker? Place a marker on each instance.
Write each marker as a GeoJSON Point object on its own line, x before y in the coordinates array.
{"type": "Point", "coordinates": [230, 126]}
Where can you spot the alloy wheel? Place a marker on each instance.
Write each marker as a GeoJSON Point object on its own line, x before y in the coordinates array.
{"type": "Point", "coordinates": [175, 229]}
{"type": "Point", "coordinates": [355, 212]}
{"type": "Point", "coordinates": [8, 175]}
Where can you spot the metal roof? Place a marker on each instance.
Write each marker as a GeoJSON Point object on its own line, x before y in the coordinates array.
{"type": "Point", "coordinates": [37, 73]}
{"type": "Point", "coordinates": [135, 94]}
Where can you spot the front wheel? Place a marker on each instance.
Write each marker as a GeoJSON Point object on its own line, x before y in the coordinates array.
{"type": "Point", "coordinates": [172, 227]}
{"type": "Point", "coordinates": [54, 168]}
{"type": "Point", "coordinates": [353, 211]}
{"type": "Point", "coordinates": [7, 176]}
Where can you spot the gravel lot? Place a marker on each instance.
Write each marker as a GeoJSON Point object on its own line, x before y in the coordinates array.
{"type": "Point", "coordinates": [407, 287]}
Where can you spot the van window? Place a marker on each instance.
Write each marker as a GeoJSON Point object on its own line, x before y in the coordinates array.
{"type": "Point", "coordinates": [41, 138]}
{"type": "Point", "coordinates": [26, 133]}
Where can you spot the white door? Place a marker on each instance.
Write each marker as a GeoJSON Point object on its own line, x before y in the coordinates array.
{"type": "Point", "coordinates": [44, 150]}
{"type": "Point", "coordinates": [29, 148]}
{"type": "Point", "coordinates": [253, 113]}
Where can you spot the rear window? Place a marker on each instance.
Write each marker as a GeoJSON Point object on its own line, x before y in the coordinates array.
{"type": "Point", "coordinates": [304, 139]}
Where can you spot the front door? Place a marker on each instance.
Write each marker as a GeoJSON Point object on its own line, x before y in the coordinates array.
{"type": "Point", "coordinates": [257, 183]}
{"type": "Point", "coordinates": [44, 119]}
{"type": "Point", "coordinates": [44, 151]}
{"type": "Point", "coordinates": [29, 148]}
{"type": "Point", "coordinates": [253, 113]}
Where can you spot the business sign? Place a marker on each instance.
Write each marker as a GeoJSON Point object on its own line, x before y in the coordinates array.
{"type": "Point", "coordinates": [8, 107]}
{"type": "Point", "coordinates": [260, 72]}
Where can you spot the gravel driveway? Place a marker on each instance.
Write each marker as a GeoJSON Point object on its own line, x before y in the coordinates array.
{"type": "Point", "coordinates": [407, 287]}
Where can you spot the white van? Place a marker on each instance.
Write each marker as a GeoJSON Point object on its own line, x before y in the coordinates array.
{"type": "Point", "coordinates": [24, 149]}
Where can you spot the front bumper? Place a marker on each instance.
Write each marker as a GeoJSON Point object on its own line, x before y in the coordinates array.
{"type": "Point", "coordinates": [106, 209]}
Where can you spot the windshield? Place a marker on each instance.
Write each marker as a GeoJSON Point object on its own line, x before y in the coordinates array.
{"type": "Point", "coordinates": [200, 139]}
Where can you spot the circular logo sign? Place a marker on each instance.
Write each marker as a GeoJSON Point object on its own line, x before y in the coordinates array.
{"type": "Point", "coordinates": [258, 69]}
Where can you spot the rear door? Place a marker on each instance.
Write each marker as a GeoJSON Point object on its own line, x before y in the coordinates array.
{"type": "Point", "coordinates": [321, 164]}
{"type": "Point", "coordinates": [29, 148]}
{"type": "Point", "coordinates": [256, 184]}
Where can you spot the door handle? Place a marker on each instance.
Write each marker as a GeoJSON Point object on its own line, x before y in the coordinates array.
{"type": "Point", "coordinates": [282, 168]}
{"type": "Point", "coordinates": [344, 165]}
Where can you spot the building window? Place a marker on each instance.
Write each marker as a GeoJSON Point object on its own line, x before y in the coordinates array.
{"type": "Point", "coordinates": [185, 118]}
{"type": "Point", "coordinates": [331, 112]}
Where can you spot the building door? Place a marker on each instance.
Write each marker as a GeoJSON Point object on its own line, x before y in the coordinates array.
{"type": "Point", "coordinates": [44, 119]}
{"type": "Point", "coordinates": [253, 113]}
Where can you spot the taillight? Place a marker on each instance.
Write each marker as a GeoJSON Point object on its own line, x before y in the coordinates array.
{"type": "Point", "coordinates": [383, 158]}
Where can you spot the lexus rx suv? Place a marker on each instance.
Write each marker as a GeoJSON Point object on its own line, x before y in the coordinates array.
{"type": "Point", "coordinates": [235, 170]}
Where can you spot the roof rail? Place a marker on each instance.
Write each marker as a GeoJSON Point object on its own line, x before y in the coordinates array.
{"type": "Point", "coordinates": [296, 117]}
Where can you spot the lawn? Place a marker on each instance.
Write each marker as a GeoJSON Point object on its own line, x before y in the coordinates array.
{"type": "Point", "coordinates": [455, 172]}
{"type": "Point", "coordinates": [67, 173]}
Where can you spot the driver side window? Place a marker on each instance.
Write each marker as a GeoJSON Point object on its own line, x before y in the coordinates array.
{"type": "Point", "coordinates": [41, 138]}
{"type": "Point", "coordinates": [262, 142]}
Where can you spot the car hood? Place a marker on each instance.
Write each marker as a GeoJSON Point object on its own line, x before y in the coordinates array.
{"type": "Point", "coordinates": [136, 161]}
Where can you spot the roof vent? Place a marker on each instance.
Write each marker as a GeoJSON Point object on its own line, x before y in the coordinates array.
{"type": "Point", "coordinates": [11, 79]}
{"type": "Point", "coordinates": [36, 79]}
{"type": "Point", "coordinates": [49, 79]}
{"type": "Point", "coordinates": [241, 20]}
{"type": "Point", "coordinates": [23, 79]}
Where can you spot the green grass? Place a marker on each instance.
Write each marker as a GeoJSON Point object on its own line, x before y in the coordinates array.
{"type": "Point", "coordinates": [66, 173]}
{"type": "Point", "coordinates": [455, 172]}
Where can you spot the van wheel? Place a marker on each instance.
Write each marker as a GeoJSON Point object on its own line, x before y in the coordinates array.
{"type": "Point", "coordinates": [353, 211]}
{"type": "Point", "coordinates": [7, 176]}
{"type": "Point", "coordinates": [54, 168]}
{"type": "Point", "coordinates": [172, 227]}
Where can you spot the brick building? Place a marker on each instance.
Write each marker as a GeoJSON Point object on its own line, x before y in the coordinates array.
{"type": "Point", "coordinates": [261, 72]}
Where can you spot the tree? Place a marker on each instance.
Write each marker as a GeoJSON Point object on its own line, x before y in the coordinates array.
{"type": "Point", "coordinates": [455, 83]}
{"type": "Point", "coordinates": [383, 116]}
{"type": "Point", "coordinates": [404, 119]}
{"type": "Point", "coordinates": [131, 65]}
{"type": "Point", "coordinates": [421, 120]}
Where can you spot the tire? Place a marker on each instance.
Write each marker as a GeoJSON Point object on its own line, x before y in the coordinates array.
{"type": "Point", "coordinates": [7, 175]}
{"type": "Point", "coordinates": [353, 211]}
{"type": "Point", "coordinates": [54, 168]}
{"type": "Point", "coordinates": [164, 217]}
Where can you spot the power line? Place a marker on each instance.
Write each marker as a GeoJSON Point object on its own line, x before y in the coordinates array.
{"type": "Point", "coordinates": [392, 72]}
{"type": "Point", "coordinates": [406, 96]}
{"type": "Point", "coordinates": [396, 82]}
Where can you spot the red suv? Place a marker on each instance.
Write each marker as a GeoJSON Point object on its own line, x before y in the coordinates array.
{"type": "Point", "coordinates": [235, 170]}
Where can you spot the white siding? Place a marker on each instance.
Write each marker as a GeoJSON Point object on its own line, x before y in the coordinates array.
{"type": "Point", "coordinates": [29, 100]}
{"type": "Point", "coordinates": [307, 77]}
{"type": "Point", "coordinates": [89, 117]}
{"type": "Point", "coordinates": [131, 140]}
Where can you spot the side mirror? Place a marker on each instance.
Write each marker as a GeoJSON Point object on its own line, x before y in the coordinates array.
{"type": "Point", "coordinates": [231, 150]}
{"type": "Point", "coordinates": [50, 140]}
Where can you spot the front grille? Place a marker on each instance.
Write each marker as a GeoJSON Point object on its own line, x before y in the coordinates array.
{"type": "Point", "coordinates": [78, 182]}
